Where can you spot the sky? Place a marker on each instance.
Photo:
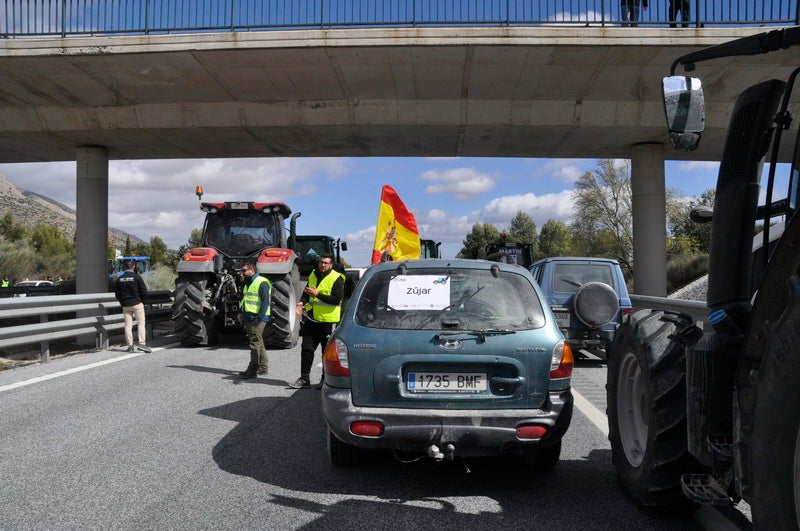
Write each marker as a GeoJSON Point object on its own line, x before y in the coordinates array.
{"type": "Point", "coordinates": [340, 196]}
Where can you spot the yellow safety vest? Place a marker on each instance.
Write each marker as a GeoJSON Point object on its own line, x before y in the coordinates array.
{"type": "Point", "coordinates": [323, 311]}
{"type": "Point", "coordinates": [251, 302]}
{"type": "Point", "coordinates": [4, 284]}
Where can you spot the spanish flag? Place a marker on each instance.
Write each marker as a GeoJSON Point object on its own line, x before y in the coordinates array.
{"type": "Point", "coordinates": [396, 232]}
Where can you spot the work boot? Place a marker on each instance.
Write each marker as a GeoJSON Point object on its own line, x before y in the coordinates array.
{"type": "Point", "coordinates": [262, 370]}
{"type": "Point", "coordinates": [300, 383]}
{"type": "Point", "coordinates": [131, 348]}
{"type": "Point", "coordinates": [247, 375]}
{"type": "Point", "coordinates": [144, 348]}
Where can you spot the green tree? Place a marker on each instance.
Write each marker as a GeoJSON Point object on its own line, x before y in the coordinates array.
{"type": "Point", "coordinates": [687, 236]}
{"type": "Point", "coordinates": [140, 249]}
{"type": "Point", "coordinates": [196, 238]}
{"type": "Point", "coordinates": [48, 241]}
{"type": "Point", "coordinates": [475, 242]}
{"type": "Point", "coordinates": [523, 230]}
{"type": "Point", "coordinates": [128, 247]}
{"type": "Point", "coordinates": [604, 225]}
{"type": "Point", "coordinates": [158, 250]}
{"type": "Point", "coordinates": [17, 259]}
{"type": "Point", "coordinates": [12, 232]}
{"type": "Point", "coordinates": [554, 239]}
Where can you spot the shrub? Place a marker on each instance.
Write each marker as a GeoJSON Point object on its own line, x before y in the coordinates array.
{"type": "Point", "coordinates": [685, 269]}
{"type": "Point", "coordinates": [162, 278]}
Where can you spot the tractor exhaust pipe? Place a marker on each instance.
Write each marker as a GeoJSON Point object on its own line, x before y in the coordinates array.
{"type": "Point", "coordinates": [293, 230]}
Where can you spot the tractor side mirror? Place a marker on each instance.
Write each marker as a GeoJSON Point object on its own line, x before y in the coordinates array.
{"type": "Point", "coordinates": [685, 110]}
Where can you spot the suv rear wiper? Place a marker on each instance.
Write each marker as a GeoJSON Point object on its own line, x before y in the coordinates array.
{"type": "Point", "coordinates": [480, 333]}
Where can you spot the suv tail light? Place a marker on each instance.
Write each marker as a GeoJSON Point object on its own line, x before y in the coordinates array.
{"type": "Point", "coordinates": [532, 432]}
{"type": "Point", "coordinates": [336, 360]}
{"type": "Point", "coordinates": [367, 428]}
{"type": "Point", "coordinates": [562, 361]}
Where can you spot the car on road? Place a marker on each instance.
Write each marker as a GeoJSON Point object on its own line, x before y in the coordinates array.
{"type": "Point", "coordinates": [588, 297]}
{"type": "Point", "coordinates": [22, 288]}
{"type": "Point", "coordinates": [447, 359]}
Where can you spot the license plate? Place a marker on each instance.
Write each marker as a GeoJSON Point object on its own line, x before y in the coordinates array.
{"type": "Point", "coordinates": [562, 319]}
{"type": "Point", "coordinates": [447, 382]}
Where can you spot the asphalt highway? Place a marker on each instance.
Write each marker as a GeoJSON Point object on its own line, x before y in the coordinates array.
{"type": "Point", "coordinates": [173, 439]}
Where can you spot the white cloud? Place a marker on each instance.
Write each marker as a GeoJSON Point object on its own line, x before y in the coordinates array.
{"type": "Point", "coordinates": [703, 165]}
{"type": "Point", "coordinates": [156, 197]}
{"type": "Point", "coordinates": [564, 170]}
{"type": "Point", "coordinates": [594, 18]}
{"type": "Point", "coordinates": [461, 183]}
{"type": "Point", "coordinates": [540, 208]}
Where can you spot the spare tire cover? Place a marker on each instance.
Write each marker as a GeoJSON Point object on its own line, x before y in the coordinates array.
{"type": "Point", "coordinates": [596, 304]}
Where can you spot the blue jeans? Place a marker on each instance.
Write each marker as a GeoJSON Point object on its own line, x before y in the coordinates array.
{"type": "Point", "coordinates": [630, 14]}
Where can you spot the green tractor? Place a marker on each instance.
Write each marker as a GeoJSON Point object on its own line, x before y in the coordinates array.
{"type": "Point", "coordinates": [309, 248]}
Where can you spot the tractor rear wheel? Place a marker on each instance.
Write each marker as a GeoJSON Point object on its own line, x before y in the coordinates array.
{"type": "Point", "coordinates": [646, 396]}
{"type": "Point", "coordinates": [192, 316]}
{"type": "Point", "coordinates": [283, 329]}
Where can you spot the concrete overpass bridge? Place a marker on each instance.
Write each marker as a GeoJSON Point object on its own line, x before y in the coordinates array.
{"type": "Point", "coordinates": [567, 92]}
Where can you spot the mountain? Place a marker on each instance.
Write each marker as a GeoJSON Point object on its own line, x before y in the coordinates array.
{"type": "Point", "coordinates": [30, 209]}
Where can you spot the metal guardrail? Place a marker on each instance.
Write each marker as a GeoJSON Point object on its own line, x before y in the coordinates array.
{"type": "Point", "coordinates": [696, 309]}
{"type": "Point", "coordinates": [63, 18]}
{"type": "Point", "coordinates": [96, 314]}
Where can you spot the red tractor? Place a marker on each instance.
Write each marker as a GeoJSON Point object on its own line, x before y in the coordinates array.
{"type": "Point", "coordinates": [208, 289]}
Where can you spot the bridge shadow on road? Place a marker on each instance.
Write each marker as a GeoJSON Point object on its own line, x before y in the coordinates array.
{"type": "Point", "coordinates": [282, 442]}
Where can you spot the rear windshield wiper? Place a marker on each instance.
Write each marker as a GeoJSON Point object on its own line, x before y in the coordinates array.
{"type": "Point", "coordinates": [480, 333]}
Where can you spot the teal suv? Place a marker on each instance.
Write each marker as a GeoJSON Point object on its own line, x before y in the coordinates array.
{"type": "Point", "coordinates": [445, 359]}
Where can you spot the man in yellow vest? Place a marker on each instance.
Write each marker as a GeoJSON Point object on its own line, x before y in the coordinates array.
{"type": "Point", "coordinates": [255, 312]}
{"type": "Point", "coordinates": [323, 301]}
{"type": "Point", "coordinates": [5, 283]}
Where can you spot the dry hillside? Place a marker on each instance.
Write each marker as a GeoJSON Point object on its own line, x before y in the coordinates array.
{"type": "Point", "coordinates": [30, 209]}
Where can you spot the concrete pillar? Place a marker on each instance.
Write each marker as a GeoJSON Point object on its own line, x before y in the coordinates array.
{"type": "Point", "coordinates": [649, 220]}
{"type": "Point", "coordinates": [92, 220]}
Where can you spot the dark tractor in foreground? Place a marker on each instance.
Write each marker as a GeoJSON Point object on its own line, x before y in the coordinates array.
{"type": "Point", "coordinates": [208, 289]}
{"type": "Point", "coordinates": [714, 418]}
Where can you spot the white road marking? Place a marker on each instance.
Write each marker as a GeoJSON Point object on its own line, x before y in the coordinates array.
{"type": "Point", "coordinates": [46, 377]}
{"type": "Point", "coordinates": [592, 413]}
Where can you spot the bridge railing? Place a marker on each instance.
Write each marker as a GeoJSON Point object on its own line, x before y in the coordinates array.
{"type": "Point", "coordinates": [94, 313]}
{"type": "Point", "coordinates": [65, 18]}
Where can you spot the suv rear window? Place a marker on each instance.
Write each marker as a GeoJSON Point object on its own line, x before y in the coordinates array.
{"type": "Point", "coordinates": [567, 278]}
{"type": "Point", "coordinates": [457, 299]}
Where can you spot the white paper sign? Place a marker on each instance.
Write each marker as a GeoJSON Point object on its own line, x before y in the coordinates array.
{"type": "Point", "coordinates": [419, 292]}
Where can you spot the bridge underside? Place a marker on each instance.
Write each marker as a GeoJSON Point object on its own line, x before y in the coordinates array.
{"type": "Point", "coordinates": [494, 92]}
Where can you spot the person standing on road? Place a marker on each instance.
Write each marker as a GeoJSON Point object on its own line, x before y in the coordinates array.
{"type": "Point", "coordinates": [323, 299]}
{"type": "Point", "coordinates": [130, 290]}
{"type": "Point", "coordinates": [255, 312]}
{"type": "Point", "coordinates": [676, 6]}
